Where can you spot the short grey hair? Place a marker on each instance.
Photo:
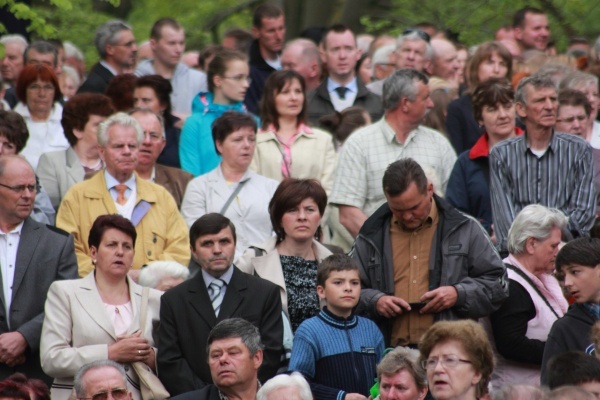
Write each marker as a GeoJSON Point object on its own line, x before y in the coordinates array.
{"type": "Point", "coordinates": [516, 392]}
{"type": "Point", "coordinates": [147, 111]}
{"type": "Point", "coordinates": [42, 47]}
{"type": "Point", "coordinates": [154, 272]}
{"type": "Point", "coordinates": [284, 381]}
{"type": "Point", "coordinates": [414, 36]}
{"type": "Point", "coordinates": [72, 51]}
{"type": "Point", "coordinates": [72, 73]}
{"type": "Point", "coordinates": [108, 33]}
{"type": "Point", "coordinates": [538, 81]}
{"type": "Point", "coordinates": [236, 328]}
{"type": "Point", "coordinates": [80, 389]}
{"type": "Point", "coordinates": [310, 51]}
{"type": "Point", "coordinates": [577, 79]}
{"type": "Point", "coordinates": [18, 39]}
{"type": "Point", "coordinates": [382, 55]}
{"type": "Point", "coordinates": [122, 119]}
{"type": "Point", "coordinates": [401, 84]}
{"type": "Point", "coordinates": [534, 221]}
{"type": "Point", "coordinates": [403, 358]}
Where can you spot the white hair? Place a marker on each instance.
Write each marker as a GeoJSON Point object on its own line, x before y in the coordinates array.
{"type": "Point", "coordinates": [534, 221]}
{"type": "Point", "coordinates": [72, 51]}
{"type": "Point", "coordinates": [283, 381]}
{"type": "Point", "coordinates": [72, 73]}
{"type": "Point", "coordinates": [18, 39]}
{"type": "Point", "coordinates": [415, 36]}
{"type": "Point", "coordinates": [155, 271]}
{"type": "Point", "coordinates": [382, 55]}
{"type": "Point", "coordinates": [122, 119]}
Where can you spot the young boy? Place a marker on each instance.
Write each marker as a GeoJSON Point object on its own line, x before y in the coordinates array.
{"type": "Point", "coordinates": [578, 265]}
{"type": "Point", "coordinates": [338, 351]}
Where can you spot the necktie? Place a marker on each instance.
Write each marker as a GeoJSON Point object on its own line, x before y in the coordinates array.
{"type": "Point", "coordinates": [216, 294]}
{"type": "Point", "coordinates": [341, 91]}
{"type": "Point", "coordinates": [121, 199]}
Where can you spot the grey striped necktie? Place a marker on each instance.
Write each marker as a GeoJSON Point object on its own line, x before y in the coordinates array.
{"type": "Point", "coordinates": [216, 294]}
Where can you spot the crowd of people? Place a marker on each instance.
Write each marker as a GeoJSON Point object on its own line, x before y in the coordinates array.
{"type": "Point", "coordinates": [338, 216]}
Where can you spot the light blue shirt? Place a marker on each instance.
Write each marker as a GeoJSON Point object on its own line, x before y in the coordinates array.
{"type": "Point", "coordinates": [111, 182]}
{"type": "Point", "coordinates": [226, 277]}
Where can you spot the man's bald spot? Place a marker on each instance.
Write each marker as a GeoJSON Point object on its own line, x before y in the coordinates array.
{"type": "Point", "coordinates": [5, 160]}
{"type": "Point", "coordinates": [310, 51]}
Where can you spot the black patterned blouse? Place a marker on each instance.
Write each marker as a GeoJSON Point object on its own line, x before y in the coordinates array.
{"type": "Point", "coordinates": [300, 277]}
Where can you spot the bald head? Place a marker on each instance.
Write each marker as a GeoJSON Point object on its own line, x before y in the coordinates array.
{"type": "Point", "coordinates": [17, 191]}
{"type": "Point", "coordinates": [444, 62]}
{"type": "Point", "coordinates": [302, 56]}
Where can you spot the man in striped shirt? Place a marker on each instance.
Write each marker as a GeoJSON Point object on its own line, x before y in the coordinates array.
{"type": "Point", "coordinates": [542, 166]}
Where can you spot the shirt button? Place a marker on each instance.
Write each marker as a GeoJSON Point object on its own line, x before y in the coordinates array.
{"type": "Point", "coordinates": [415, 257]}
{"type": "Point", "coordinates": [414, 281]}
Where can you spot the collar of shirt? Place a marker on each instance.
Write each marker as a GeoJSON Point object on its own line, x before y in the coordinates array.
{"type": "Point", "coordinates": [111, 182]}
{"type": "Point", "coordinates": [223, 396]}
{"type": "Point", "coordinates": [429, 221]}
{"type": "Point", "coordinates": [390, 135]}
{"type": "Point", "coordinates": [153, 175]}
{"type": "Point", "coordinates": [351, 86]}
{"type": "Point", "coordinates": [552, 146]}
{"type": "Point", "coordinates": [109, 67]}
{"type": "Point", "coordinates": [208, 279]}
{"type": "Point", "coordinates": [16, 230]}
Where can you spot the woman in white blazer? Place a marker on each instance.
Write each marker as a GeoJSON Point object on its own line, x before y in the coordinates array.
{"type": "Point", "coordinates": [59, 170]}
{"type": "Point", "coordinates": [98, 317]}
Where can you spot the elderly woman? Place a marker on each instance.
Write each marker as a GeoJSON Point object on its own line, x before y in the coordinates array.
{"type": "Point", "coordinates": [98, 317]}
{"type": "Point", "coordinates": [491, 60]}
{"type": "Point", "coordinates": [163, 275]}
{"type": "Point", "coordinates": [468, 186]}
{"type": "Point", "coordinates": [232, 189]}
{"type": "Point", "coordinates": [291, 258]}
{"type": "Point", "coordinates": [521, 325]}
{"type": "Point", "coordinates": [59, 170]}
{"type": "Point", "coordinates": [286, 146]}
{"type": "Point", "coordinates": [400, 376]}
{"type": "Point", "coordinates": [588, 85]}
{"type": "Point", "coordinates": [458, 359]}
{"type": "Point", "coordinates": [39, 94]}
{"type": "Point", "coordinates": [284, 386]}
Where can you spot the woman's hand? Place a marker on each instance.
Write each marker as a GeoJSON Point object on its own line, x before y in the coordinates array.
{"type": "Point", "coordinates": [131, 348]}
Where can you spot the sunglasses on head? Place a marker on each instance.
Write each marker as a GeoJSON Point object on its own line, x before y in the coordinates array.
{"type": "Point", "coordinates": [423, 35]}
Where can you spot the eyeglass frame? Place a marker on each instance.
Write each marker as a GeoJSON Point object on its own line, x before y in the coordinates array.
{"type": "Point", "coordinates": [454, 361]}
{"type": "Point", "coordinates": [106, 393]}
{"type": "Point", "coordinates": [239, 78]}
{"type": "Point", "coordinates": [20, 189]}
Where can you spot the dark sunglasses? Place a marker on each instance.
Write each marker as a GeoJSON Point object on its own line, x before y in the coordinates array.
{"type": "Point", "coordinates": [423, 35]}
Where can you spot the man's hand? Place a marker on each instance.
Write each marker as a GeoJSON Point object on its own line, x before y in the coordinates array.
{"type": "Point", "coordinates": [355, 396]}
{"type": "Point", "coordinates": [12, 348]}
{"type": "Point", "coordinates": [390, 307]}
{"type": "Point", "coordinates": [439, 299]}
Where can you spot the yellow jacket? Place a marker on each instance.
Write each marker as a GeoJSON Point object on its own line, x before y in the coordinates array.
{"type": "Point", "coordinates": [161, 234]}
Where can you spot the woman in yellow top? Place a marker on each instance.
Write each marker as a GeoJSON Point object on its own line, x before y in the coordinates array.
{"type": "Point", "coordinates": [285, 145]}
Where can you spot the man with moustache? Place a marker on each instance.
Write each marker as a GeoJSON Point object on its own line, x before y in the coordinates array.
{"type": "Point", "coordinates": [162, 232]}
{"type": "Point", "coordinates": [542, 166]}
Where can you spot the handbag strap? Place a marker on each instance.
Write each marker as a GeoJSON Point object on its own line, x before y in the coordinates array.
{"type": "Point", "coordinates": [230, 199]}
{"type": "Point", "coordinates": [530, 282]}
{"type": "Point", "coordinates": [144, 308]}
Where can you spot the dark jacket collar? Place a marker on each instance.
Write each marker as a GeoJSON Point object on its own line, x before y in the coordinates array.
{"type": "Point", "coordinates": [362, 89]}
{"type": "Point", "coordinates": [256, 59]}
{"type": "Point", "coordinates": [336, 321]}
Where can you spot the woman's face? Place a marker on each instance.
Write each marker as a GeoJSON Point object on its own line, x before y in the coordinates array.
{"type": "Point", "coordinates": [493, 67]}
{"type": "Point", "coordinates": [591, 91]}
{"type": "Point", "coordinates": [89, 134]}
{"type": "Point", "coordinates": [40, 96]}
{"type": "Point", "coordinates": [67, 86]}
{"type": "Point", "coordinates": [544, 252]}
{"type": "Point", "coordinates": [300, 223]}
{"type": "Point", "coordinates": [499, 120]}
{"type": "Point", "coordinates": [114, 255]}
{"type": "Point", "coordinates": [238, 148]}
{"type": "Point", "coordinates": [454, 377]}
{"type": "Point", "coordinates": [7, 148]}
{"type": "Point", "coordinates": [290, 100]}
{"type": "Point", "coordinates": [365, 72]}
{"type": "Point", "coordinates": [146, 97]}
{"type": "Point", "coordinates": [234, 83]}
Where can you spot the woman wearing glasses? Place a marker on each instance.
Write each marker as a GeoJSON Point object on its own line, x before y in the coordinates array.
{"type": "Point", "coordinates": [458, 359]}
{"type": "Point", "coordinates": [286, 147]}
{"type": "Point", "coordinates": [228, 80]}
{"type": "Point", "coordinates": [99, 317]}
{"type": "Point", "coordinates": [38, 92]}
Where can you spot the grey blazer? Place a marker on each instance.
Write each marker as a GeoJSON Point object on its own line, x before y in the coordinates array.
{"type": "Point", "coordinates": [45, 254]}
{"type": "Point", "coordinates": [58, 171]}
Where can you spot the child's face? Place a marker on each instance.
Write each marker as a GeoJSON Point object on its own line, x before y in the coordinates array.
{"type": "Point", "coordinates": [583, 283]}
{"type": "Point", "coordinates": [341, 291]}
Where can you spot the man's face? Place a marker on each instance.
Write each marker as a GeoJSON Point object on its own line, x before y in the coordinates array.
{"type": "Point", "coordinates": [412, 55]}
{"type": "Point", "coordinates": [541, 107]}
{"type": "Point", "coordinates": [16, 205]}
{"type": "Point", "coordinates": [582, 282]}
{"type": "Point", "coordinates": [104, 380]}
{"type": "Point", "coordinates": [292, 58]}
{"type": "Point", "coordinates": [215, 252]}
{"type": "Point", "coordinates": [124, 51]}
{"type": "Point", "coordinates": [35, 58]}
{"type": "Point", "coordinates": [417, 109]}
{"type": "Point", "coordinates": [169, 48]}
{"type": "Point", "coordinates": [271, 33]}
{"type": "Point", "coordinates": [445, 64]}
{"type": "Point", "coordinates": [400, 386]}
{"type": "Point", "coordinates": [535, 32]}
{"type": "Point", "coordinates": [12, 63]}
{"type": "Point", "coordinates": [121, 151]}
{"type": "Point", "coordinates": [154, 141]}
{"type": "Point", "coordinates": [341, 54]}
{"type": "Point", "coordinates": [231, 364]}
{"type": "Point", "coordinates": [411, 208]}
{"type": "Point", "coordinates": [572, 119]}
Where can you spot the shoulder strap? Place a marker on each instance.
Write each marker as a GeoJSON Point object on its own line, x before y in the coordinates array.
{"type": "Point", "coordinates": [230, 199]}
{"type": "Point", "coordinates": [528, 280]}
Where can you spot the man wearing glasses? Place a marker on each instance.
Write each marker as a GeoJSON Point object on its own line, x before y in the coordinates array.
{"type": "Point", "coordinates": [116, 46]}
{"type": "Point", "coordinates": [32, 256]}
{"type": "Point", "coordinates": [99, 379]}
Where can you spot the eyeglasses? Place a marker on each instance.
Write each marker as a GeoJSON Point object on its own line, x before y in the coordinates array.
{"type": "Point", "coordinates": [128, 44]}
{"type": "Point", "coordinates": [21, 188]}
{"type": "Point", "coordinates": [41, 88]}
{"type": "Point", "coordinates": [570, 120]}
{"type": "Point", "coordinates": [447, 362]}
{"type": "Point", "coordinates": [423, 35]}
{"type": "Point", "coordinates": [116, 394]}
{"type": "Point", "coordinates": [154, 136]}
{"type": "Point", "coordinates": [239, 78]}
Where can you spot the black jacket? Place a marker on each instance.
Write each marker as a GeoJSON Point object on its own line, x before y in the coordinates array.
{"type": "Point", "coordinates": [259, 72]}
{"type": "Point", "coordinates": [97, 80]}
